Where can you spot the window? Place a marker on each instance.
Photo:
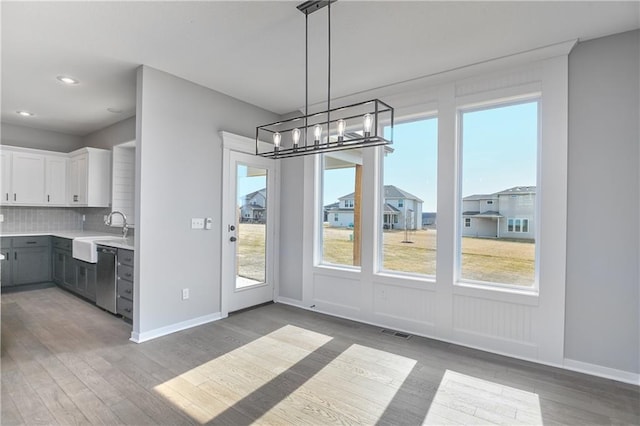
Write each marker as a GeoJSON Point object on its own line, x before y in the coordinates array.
{"type": "Point", "coordinates": [518, 225]}
{"type": "Point", "coordinates": [348, 203]}
{"type": "Point", "coordinates": [341, 238]}
{"type": "Point", "coordinates": [490, 202]}
{"type": "Point", "coordinates": [409, 201]}
{"type": "Point", "coordinates": [499, 151]}
{"type": "Point", "coordinates": [467, 222]}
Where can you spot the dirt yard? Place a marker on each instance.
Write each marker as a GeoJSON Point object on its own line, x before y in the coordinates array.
{"type": "Point", "coordinates": [482, 259]}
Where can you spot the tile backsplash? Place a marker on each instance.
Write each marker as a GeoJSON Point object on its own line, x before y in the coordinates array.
{"type": "Point", "coordinates": [47, 219]}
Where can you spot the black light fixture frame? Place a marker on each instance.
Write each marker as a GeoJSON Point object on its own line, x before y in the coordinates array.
{"type": "Point", "coordinates": [353, 138]}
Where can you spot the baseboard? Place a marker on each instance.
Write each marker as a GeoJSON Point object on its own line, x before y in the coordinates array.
{"type": "Point", "coordinates": [569, 364]}
{"type": "Point", "coordinates": [600, 371]}
{"type": "Point", "coordinates": [163, 331]}
{"type": "Point", "coordinates": [292, 302]}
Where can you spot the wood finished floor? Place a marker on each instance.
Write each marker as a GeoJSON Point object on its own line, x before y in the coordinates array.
{"type": "Point", "coordinates": [67, 362]}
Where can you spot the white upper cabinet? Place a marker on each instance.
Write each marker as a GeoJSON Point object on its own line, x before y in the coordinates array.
{"type": "Point", "coordinates": [27, 178]}
{"type": "Point", "coordinates": [89, 178]}
{"type": "Point", "coordinates": [56, 180]}
{"type": "Point", "coordinates": [5, 184]}
{"type": "Point", "coordinates": [44, 178]}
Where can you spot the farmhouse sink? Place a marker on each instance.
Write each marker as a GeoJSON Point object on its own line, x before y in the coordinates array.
{"type": "Point", "coordinates": [119, 242]}
{"type": "Point", "coordinates": [84, 248]}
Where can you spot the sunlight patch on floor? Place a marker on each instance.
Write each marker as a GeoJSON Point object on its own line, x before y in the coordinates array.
{"type": "Point", "coordinates": [358, 377]}
{"type": "Point", "coordinates": [469, 400]}
{"type": "Point", "coordinates": [208, 390]}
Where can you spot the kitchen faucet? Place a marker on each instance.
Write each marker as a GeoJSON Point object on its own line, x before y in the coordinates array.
{"type": "Point", "coordinates": [125, 227]}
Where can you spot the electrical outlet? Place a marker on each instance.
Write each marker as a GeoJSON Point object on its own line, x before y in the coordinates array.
{"type": "Point", "coordinates": [185, 293]}
{"type": "Point", "coordinates": [208, 223]}
{"type": "Point", "coordinates": [197, 223]}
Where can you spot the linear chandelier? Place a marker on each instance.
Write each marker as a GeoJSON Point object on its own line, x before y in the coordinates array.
{"type": "Point", "coordinates": [353, 126]}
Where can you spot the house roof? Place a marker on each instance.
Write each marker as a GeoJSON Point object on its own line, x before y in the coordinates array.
{"type": "Point", "coordinates": [388, 208]}
{"type": "Point", "coordinates": [478, 197]}
{"type": "Point", "coordinates": [332, 206]}
{"type": "Point", "coordinates": [262, 192]}
{"type": "Point", "coordinates": [518, 190]}
{"type": "Point", "coordinates": [390, 191]}
{"type": "Point", "coordinates": [487, 214]}
{"type": "Point", "coordinates": [510, 191]}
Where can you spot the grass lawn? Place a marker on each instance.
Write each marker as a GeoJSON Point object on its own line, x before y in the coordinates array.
{"type": "Point", "coordinates": [482, 259]}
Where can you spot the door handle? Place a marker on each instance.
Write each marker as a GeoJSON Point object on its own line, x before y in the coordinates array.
{"type": "Point", "coordinates": [233, 239]}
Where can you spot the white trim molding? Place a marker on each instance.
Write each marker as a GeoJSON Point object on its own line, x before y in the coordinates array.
{"type": "Point", "coordinates": [600, 371]}
{"type": "Point", "coordinates": [163, 331]}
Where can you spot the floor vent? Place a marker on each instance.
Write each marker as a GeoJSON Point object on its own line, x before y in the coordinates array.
{"type": "Point", "coordinates": [395, 333]}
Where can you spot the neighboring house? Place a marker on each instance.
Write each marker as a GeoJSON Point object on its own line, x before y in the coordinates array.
{"type": "Point", "coordinates": [401, 210]}
{"type": "Point", "coordinates": [254, 207]}
{"type": "Point", "coordinates": [505, 214]}
{"type": "Point", "coordinates": [428, 219]}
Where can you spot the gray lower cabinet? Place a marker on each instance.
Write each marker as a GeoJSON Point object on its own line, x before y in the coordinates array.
{"type": "Point", "coordinates": [28, 260]}
{"type": "Point", "coordinates": [124, 278]}
{"type": "Point", "coordinates": [73, 274]}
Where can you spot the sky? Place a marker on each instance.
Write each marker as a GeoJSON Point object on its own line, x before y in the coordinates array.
{"type": "Point", "coordinates": [499, 148]}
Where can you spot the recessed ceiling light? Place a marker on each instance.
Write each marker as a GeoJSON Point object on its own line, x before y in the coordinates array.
{"type": "Point", "coordinates": [25, 113]}
{"type": "Point", "coordinates": [67, 80]}
{"type": "Point", "coordinates": [115, 110]}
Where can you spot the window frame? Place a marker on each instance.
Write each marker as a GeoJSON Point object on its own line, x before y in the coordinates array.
{"type": "Point", "coordinates": [492, 100]}
{"type": "Point", "coordinates": [427, 112]}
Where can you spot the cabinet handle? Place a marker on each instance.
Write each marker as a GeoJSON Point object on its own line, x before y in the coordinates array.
{"type": "Point", "coordinates": [127, 291]}
{"type": "Point", "coordinates": [48, 198]}
{"type": "Point", "coordinates": [7, 196]}
{"type": "Point", "coordinates": [14, 197]}
{"type": "Point", "coordinates": [31, 242]}
{"type": "Point", "coordinates": [127, 275]}
{"type": "Point", "coordinates": [15, 255]}
{"type": "Point", "coordinates": [127, 309]}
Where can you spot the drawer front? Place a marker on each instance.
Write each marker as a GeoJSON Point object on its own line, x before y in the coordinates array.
{"type": "Point", "coordinates": [19, 242]}
{"type": "Point", "coordinates": [5, 242]}
{"type": "Point", "coordinates": [124, 307]}
{"type": "Point", "coordinates": [125, 272]}
{"type": "Point", "coordinates": [125, 289]}
{"type": "Point", "coordinates": [62, 243]}
{"type": "Point", "coordinates": [125, 257]}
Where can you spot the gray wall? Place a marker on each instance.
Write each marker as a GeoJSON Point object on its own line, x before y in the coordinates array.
{"type": "Point", "coordinates": [27, 137]}
{"type": "Point", "coordinates": [179, 158]}
{"type": "Point", "coordinates": [291, 222]}
{"type": "Point", "coordinates": [602, 312]}
{"type": "Point", "coordinates": [120, 132]}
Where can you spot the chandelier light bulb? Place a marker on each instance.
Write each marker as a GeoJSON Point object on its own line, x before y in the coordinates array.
{"type": "Point", "coordinates": [317, 133]}
{"type": "Point", "coordinates": [296, 137]}
{"type": "Point", "coordinates": [341, 126]}
{"type": "Point", "coordinates": [367, 124]}
{"type": "Point", "coordinates": [277, 137]}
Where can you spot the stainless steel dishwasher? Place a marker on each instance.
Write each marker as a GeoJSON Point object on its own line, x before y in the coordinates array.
{"type": "Point", "coordinates": [106, 285]}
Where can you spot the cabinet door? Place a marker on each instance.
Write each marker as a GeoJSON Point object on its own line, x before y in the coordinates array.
{"type": "Point", "coordinates": [5, 184]}
{"type": "Point", "coordinates": [86, 284]}
{"type": "Point", "coordinates": [31, 265]}
{"type": "Point", "coordinates": [56, 182]}
{"type": "Point", "coordinates": [58, 266]}
{"type": "Point", "coordinates": [27, 178]}
{"type": "Point", "coordinates": [6, 279]}
{"type": "Point", "coordinates": [78, 169]}
{"type": "Point", "coordinates": [69, 271]}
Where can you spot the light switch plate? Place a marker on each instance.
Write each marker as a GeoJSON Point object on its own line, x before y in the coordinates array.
{"type": "Point", "coordinates": [197, 223]}
{"type": "Point", "coordinates": [208, 223]}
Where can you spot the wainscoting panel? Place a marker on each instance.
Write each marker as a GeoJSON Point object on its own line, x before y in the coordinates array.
{"type": "Point", "coordinates": [337, 294]}
{"type": "Point", "coordinates": [491, 318]}
{"type": "Point", "coordinates": [406, 308]}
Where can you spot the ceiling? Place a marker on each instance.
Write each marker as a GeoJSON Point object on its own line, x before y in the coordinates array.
{"type": "Point", "coordinates": [254, 51]}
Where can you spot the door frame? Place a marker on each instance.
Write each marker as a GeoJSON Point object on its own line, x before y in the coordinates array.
{"type": "Point", "coordinates": [243, 145]}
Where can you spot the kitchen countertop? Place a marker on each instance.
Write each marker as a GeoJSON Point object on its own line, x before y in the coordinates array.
{"type": "Point", "coordinates": [110, 240]}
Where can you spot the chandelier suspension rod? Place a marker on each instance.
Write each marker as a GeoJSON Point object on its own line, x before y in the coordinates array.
{"type": "Point", "coordinates": [328, 71]}
{"type": "Point", "coordinates": [306, 76]}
